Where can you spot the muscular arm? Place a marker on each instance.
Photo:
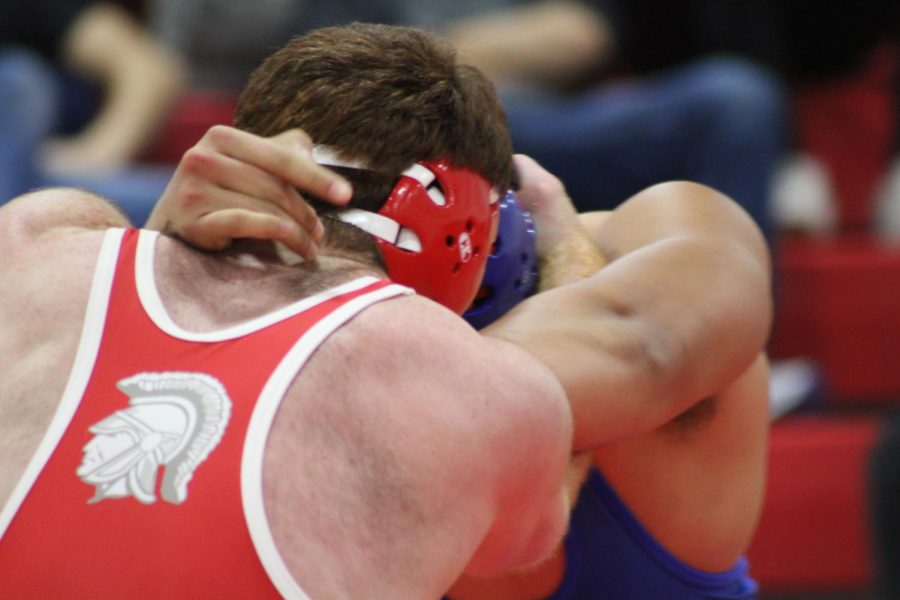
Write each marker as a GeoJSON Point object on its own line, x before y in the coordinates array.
{"type": "Point", "coordinates": [682, 309]}
{"type": "Point", "coordinates": [141, 80]}
{"type": "Point", "coordinates": [478, 415]}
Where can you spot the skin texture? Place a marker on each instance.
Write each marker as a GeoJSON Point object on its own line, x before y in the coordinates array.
{"type": "Point", "coordinates": [668, 386]}
{"type": "Point", "coordinates": [383, 454]}
{"type": "Point", "coordinates": [234, 184]}
{"type": "Point", "coordinates": [653, 318]}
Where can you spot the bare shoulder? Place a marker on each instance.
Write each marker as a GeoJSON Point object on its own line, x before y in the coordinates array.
{"type": "Point", "coordinates": [485, 407]}
{"type": "Point", "coordinates": [48, 249]}
{"type": "Point", "coordinates": [421, 344]}
{"type": "Point", "coordinates": [424, 357]}
{"type": "Point", "coordinates": [411, 406]}
{"type": "Point", "coordinates": [48, 243]}
{"type": "Point", "coordinates": [31, 216]}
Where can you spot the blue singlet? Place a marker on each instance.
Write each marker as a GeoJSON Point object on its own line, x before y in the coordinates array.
{"type": "Point", "coordinates": [610, 555]}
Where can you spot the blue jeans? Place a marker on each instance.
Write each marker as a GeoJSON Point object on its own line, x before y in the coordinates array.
{"type": "Point", "coordinates": [33, 103]}
{"type": "Point", "coordinates": [720, 122]}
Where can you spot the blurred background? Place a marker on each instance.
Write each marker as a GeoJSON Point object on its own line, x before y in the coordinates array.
{"type": "Point", "coordinates": [790, 107]}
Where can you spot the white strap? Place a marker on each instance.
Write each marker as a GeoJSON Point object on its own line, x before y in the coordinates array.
{"type": "Point", "coordinates": [408, 240]}
{"type": "Point", "coordinates": [326, 155]}
{"type": "Point", "coordinates": [420, 173]}
{"type": "Point", "coordinates": [378, 225]}
{"type": "Point", "coordinates": [382, 227]}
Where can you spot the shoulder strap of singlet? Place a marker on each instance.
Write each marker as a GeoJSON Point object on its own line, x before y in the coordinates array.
{"type": "Point", "coordinates": [156, 311]}
{"type": "Point", "coordinates": [264, 415]}
{"type": "Point", "coordinates": [91, 333]}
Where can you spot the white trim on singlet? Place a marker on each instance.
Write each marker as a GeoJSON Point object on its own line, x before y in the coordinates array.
{"type": "Point", "coordinates": [272, 393]}
{"type": "Point", "coordinates": [156, 311]}
{"type": "Point", "coordinates": [263, 414]}
{"type": "Point", "coordinates": [261, 423]}
{"type": "Point", "coordinates": [82, 368]}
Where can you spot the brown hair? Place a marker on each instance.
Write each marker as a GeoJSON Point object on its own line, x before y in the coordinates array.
{"type": "Point", "coordinates": [385, 95]}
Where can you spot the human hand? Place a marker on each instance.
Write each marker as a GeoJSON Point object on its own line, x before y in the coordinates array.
{"type": "Point", "coordinates": [565, 250]}
{"type": "Point", "coordinates": [544, 196]}
{"type": "Point", "coordinates": [233, 184]}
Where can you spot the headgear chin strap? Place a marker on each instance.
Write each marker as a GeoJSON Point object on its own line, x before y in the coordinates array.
{"type": "Point", "coordinates": [434, 231]}
{"type": "Point", "coordinates": [511, 274]}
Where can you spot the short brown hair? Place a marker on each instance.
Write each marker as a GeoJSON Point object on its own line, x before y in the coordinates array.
{"type": "Point", "coordinates": [386, 95]}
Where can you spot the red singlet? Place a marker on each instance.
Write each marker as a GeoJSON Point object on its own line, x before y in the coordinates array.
{"type": "Point", "coordinates": [148, 482]}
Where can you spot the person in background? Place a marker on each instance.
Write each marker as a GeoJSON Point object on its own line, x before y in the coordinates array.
{"type": "Point", "coordinates": [562, 68]}
{"type": "Point", "coordinates": [85, 90]}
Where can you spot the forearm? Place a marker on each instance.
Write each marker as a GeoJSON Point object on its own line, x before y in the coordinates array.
{"type": "Point", "coordinates": [549, 42]}
{"type": "Point", "coordinates": [569, 261]}
{"type": "Point", "coordinates": [136, 108]}
{"type": "Point", "coordinates": [682, 308]}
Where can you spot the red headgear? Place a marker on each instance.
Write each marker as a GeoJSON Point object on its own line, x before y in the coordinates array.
{"type": "Point", "coordinates": [434, 232]}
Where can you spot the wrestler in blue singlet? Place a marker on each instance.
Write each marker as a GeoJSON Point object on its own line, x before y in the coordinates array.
{"type": "Point", "coordinates": [610, 555]}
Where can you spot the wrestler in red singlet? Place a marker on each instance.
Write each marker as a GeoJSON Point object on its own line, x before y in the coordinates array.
{"type": "Point", "coordinates": [148, 483]}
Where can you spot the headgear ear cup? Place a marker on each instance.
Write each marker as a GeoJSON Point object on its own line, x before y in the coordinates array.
{"type": "Point", "coordinates": [455, 229]}
{"type": "Point", "coordinates": [434, 231]}
{"type": "Point", "coordinates": [511, 274]}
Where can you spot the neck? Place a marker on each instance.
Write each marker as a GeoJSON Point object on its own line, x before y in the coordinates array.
{"type": "Point", "coordinates": [244, 281]}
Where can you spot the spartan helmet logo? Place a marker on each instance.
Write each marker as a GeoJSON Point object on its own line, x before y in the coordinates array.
{"type": "Point", "coordinates": [173, 420]}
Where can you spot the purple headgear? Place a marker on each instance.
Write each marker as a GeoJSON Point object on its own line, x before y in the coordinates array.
{"type": "Point", "coordinates": [511, 274]}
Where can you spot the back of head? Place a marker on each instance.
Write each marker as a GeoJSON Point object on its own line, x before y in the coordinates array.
{"type": "Point", "coordinates": [385, 95]}
{"type": "Point", "coordinates": [389, 97]}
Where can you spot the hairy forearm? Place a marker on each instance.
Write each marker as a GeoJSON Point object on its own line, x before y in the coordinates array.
{"type": "Point", "coordinates": [569, 261]}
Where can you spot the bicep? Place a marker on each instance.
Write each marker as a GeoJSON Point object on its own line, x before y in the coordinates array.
{"type": "Point", "coordinates": [657, 329]}
{"type": "Point", "coordinates": [600, 355]}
